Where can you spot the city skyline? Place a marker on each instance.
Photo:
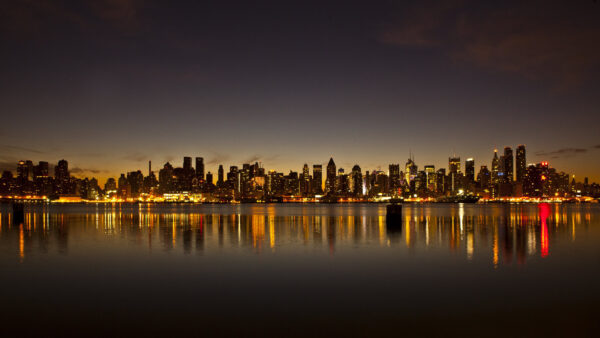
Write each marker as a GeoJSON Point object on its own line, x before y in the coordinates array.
{"type": "Point", "coordinates": [212, 165]}
{"type": "Point", "coordinates": [508, 174]}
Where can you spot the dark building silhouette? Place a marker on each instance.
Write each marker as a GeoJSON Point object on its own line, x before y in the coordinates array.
{"type": "Point", "coordinates": [508, 164]}
{"type": "Point", "coordinates": [200, 168]}
{"type": "Point", "coordinates": [521, 162]}
{"type": "Point", "coordinates": [331, 177]}
{"type": "Point", "coordinates": [317, 179]}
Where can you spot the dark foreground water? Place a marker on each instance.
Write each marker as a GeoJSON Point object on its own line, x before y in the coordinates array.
{"type": "Point", "coordinates": [300, 270]}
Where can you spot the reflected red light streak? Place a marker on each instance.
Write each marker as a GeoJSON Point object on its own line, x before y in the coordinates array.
{"type": "Point", "coordinates": [544, 213]}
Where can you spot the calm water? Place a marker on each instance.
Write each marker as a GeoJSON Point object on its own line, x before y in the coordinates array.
{"type": "Point", "coordinates": [298, 270]}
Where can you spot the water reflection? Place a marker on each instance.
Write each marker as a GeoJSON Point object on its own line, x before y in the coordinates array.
{"type": "Point", "coordinates": [502, 234]}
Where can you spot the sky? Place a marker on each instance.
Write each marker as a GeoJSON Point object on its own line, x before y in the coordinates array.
{"type": "Point", "coordinates": [111, 84]}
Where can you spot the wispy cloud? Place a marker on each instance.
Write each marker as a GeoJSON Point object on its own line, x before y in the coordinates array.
{"type": "Point", "coordinates": [135, 157]}
{"type": "Point", "coordinates": [12, 148]}
{"type": "Point", "coordinates": [549, 41]}
{"type": "Point", "coordinates": [86, 171]}
{"type": "Point", "coordinates": [217, 158]}
{"type": "Point", "coordinates": [564, 152]}
{"type": "Point", "coordinates": [260, 158]}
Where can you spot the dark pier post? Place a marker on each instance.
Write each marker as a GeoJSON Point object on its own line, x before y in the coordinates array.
{"type": "Point", "coordinates": [394, 216]}
{"type": "Point", "coordinates": [18, 213]}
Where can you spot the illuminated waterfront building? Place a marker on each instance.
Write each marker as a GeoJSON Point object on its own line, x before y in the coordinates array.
{"type": "Point", "coordinates": [431, 177]}
{"type": "Point", "coordinates": [410, 170]}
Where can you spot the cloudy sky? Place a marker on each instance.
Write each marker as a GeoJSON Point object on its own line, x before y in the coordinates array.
{"type": "Point", "coordinates": [111, 84]}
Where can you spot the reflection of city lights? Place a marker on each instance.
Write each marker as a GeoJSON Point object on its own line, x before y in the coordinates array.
{"type": "Point", "coordinates": [544, 213]}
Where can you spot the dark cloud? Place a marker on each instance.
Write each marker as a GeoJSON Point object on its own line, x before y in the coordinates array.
{"type": "Point", "coordinates": [597, 146]}
{"type": "Point", "coordinates": [11, 148]}
{"type": "Point", "coordinates": [136, 157]}
{"type": "Point", "coordinates": [564, 152]}
{"type": "Point", "coordinates": [217, 158]}
{"type": "Point", "coordinates": [84, 171]}
{"type": "Point", "coordinates": [26, 18]}
{"type": "Point", "coordinates": [549, 41]}
{"type": "Point", "coordinates": [260, 158]}
{"type": "Point", "coordinates": [123, 14]}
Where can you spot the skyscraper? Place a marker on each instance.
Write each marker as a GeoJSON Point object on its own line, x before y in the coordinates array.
{"type": "Point", "coordinates": [317, 178]}
{"type": "Point", "coordinates": [394, 177]}
{"type": "Point", "coordinates": [187, 163]}
{"type": "Point", "coordinates": [495, 167]}
{"type": "Point", "coordinates": [521, 163]}
{"type": "Point", "coordinates": [221, 174]}
{"type": "Point", "coordinates": [470, 170]}
{"type": "Point", "coordinates": [411, 170]}
{"type": "Point", "coordinates": [508, 164]}
{"type": "Point", "coordinates": [330, 182]}
{"type": "Point", "coordinates": [200, 168]}
{"type": "Point", "coordinates": [356, 181]}
{"type": "Point", "coordinates": [454, 165]}
{"type": "Point", "coordinates": [431, 177]}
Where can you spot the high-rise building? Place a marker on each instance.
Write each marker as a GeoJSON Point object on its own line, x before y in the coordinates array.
{"type": "Point", "coordinates": [521, 159]}
{"type": "Point", "coordinates": [454, 165]}
{"type": "Point", "coordinates": [431, 177]}
{"type": "Point", "coordinates": [508, 164]}
{"type": "Point", "coordinates": [221, 175]}
{"type": "Point", "coordinates": [356, 185]}
{"type": "Point", "coordinates": [411, 171]}
{"type": "Point", "coordinates": [394, 175]}
{"type": "Point", "coordinates": [187, 163]}
{"type": "Point", "coordinates": [305, 182]}
{"type": "Point", "coordinates": [484, 177]}
{"type": "Point", "coordinates": [200, 168]}
{"type": "Point", "coordinates": [209, 178]}
{"type": "Point", "coordinates": [470, 170]}
{"type": "Point", "coordinates": [331, 177]}
{"type": "Point", "coordinates": [317, 179]}
{"type": "Point", "coordinates": [165, 179]}
{"type": "Point", "coordinates": [495, 167]}
{"type": "Point", "coordinates": [62, 178]}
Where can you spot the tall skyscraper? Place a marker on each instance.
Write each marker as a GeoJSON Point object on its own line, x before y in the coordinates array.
{"type": "Point", "coordinates": [187, 163]}
{"type": "Point", "coordinates": [454, 165]}
{"type": "Point", "coordinates": [221, 174]}
{"type": "Point", "coordinates": [356, 181]}
{"type": "Point", "coordinates": [394, 177]}
{"type": "Point", "coordinates": [410, 172]}
{"type": "Point", "coordinates": [431, 177]}
{"type": "Point", "coordinates": [470, 170]}
{"type": "Point", "coordinates": [62, 177]}
{"type": "Point", "coordinates": [495, 168]}
{"type": "Point", "coordinates": [200, 168]}
{"type": "Point", "coordinates": [508, 164]}
{"type": "Point", "coordinates": [521, 160]}
{"type": "Point", "coordinates": [331, 177]}
{"type": "Point", "coordinates": [317, 178]}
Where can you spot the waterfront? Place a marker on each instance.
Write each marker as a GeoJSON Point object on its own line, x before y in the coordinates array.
{"type": "Point", "coordinates": [298, 269]}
